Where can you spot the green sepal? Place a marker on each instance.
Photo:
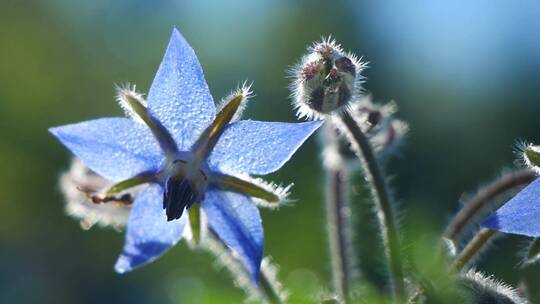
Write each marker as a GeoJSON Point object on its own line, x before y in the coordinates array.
{"type": "Point", "coordinates": [235, 184]}
{"type": "Point", "coordinates": [195, 222]}
{"type": "Point", "coordinates": [209, 138]}
{"type": "Point", "coordinates": [164, 138]}
{"type": "Point", "coordinates": [128, 183]}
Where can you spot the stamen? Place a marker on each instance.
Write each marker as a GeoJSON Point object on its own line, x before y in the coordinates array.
{"type": "Point", "coordinates": [126, 198]}
{"type": "Point", "coordinates": [179, 194]}
{"type": "Point", "coordinates": [135, 105]}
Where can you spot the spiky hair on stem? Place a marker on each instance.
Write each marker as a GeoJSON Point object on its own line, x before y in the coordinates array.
{"type": "Point", "coordinates": [327, 80]}
{"type": "Point", "coordinates": [243, 91]}
{"type": "Point", "coordinates": [77, 184]}
{"type": "Point", "coordinates": [226, 259]}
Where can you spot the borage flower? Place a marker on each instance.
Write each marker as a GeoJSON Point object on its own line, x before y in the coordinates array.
{"type": "Point", "coordinates": [189, 156]}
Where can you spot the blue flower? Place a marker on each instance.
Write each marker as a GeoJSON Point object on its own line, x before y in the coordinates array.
{"type": "Point", "coordinates": [189, 156]}
{"type": "Point", "coordinates": [520, 215]}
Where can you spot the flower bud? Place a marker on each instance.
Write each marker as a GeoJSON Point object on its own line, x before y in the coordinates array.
{"type": "Point", "coordinates": [385, 132]}
{"type": "Point", "coordinates": [326, 80]}
{"type": "Point", "coordinates": [531, 157]}
{"type": "Point", "coordinates": [481, 289]}
{"type": "Point", "coordinates": [78, 184]}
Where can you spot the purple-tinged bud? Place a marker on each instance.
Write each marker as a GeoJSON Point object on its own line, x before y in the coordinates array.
{"type": "Point", "coordinates": [385, 132]}
{"type": "Point", "coordinates": [326, 81]}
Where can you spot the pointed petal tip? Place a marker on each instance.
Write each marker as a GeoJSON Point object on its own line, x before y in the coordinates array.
{"type": "Point", "coordinates": [177, 37]}
{"type": "Point", "coordinates": [122, 265]}
{"type": "Point", "coordinates": [176, 32]}
{"type": "Point", "coordinates": [52, 130]}
{"type": "Point", "coordinates": [56, 131]}
{"type": "Point", "coordinates": [315, 124]}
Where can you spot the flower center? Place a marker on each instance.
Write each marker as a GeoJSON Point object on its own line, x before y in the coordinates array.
{"type": "Point", "coordinates": [185, 184]}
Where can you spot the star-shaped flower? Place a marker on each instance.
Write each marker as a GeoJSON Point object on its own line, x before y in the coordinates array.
{"type": "Point", "coordinates": [189, 156]}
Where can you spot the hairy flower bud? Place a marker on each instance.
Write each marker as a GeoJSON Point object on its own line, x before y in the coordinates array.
{"type": "Point", "coordinates": [78, 184]}
{"type": "Point", "coordinates": [385, 132]}
{"type": "Point", "coordinates": [481, 289]}
{"type": "Point", "coordinates": [326, 80]}
{"type": "Point", "coordinates": [531, 157]}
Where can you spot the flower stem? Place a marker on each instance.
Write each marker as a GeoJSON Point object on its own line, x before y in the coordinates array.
{"type": "Point", "coordinates": [486, 197]}
{"type": "Point", "coordinates": [338, 226]}
{"type": "Point", "coordinates": [375, 177]}
{"type": "Point", "coordinates": [268, 290]}
{"type": "Point", "coordinates": [475, 245]}
{"type": "Point", "coordinates": [268, 287]}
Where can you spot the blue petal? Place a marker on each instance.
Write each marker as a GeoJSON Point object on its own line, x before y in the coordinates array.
{"type": "Point", "coordinates": [258, 147]}
{"type": "Point", "coordinates": [520, 215]}
{"type": "Point", "coordinates": [148, 234]}
{"type": "Point", "coordinates": [179, 96]}
{"type": "Point", "coordinates": [116, 148]}
{"type": "Point", "coordinates": [236, 220]}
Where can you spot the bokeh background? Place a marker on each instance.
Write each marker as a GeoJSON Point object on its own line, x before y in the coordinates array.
{"type": "Point", "coordinates": [466, 77]}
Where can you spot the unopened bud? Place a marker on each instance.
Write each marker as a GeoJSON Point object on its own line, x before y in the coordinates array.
{"type": "Point", "coordinates": [78, 186]}
{"type": "Point", "coordinates": [327, 80]}
{"type": "Point", "coordinates": [531, 157]}
{"type": "Point", "coordinates": [481, 289]}
{"type": "Point", "coordinates": [385, 132]}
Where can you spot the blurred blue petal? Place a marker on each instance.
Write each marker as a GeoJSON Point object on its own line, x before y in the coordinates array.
{"type": "Point", "coordinates": [116, 148]}
{"type": "Point", "coordinates": [179, 96]}
{"type": "Point", "coordinates": [520, 215]}
{"type": "Point", "coordinates": [258, 147]}
{"type": "Point", "coordinates": [236, 220]}
{"type": "Point", "coordinates": [149, 234]}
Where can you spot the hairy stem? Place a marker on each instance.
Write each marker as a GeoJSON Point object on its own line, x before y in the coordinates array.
{"type": "Point", "coordinates": [268, 290]}
{"type": "Point", "coordinates": [374, 175]}
{"type": "Point", "coordinates": [484, 198]}
{"type": "Point", "coordinates": [475, 245]}
{"type": "Point", "coordinates": [338, 226]}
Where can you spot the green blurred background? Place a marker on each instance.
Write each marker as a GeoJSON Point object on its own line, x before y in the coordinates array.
{"type": "Point", "coordinates": [465, 75]}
